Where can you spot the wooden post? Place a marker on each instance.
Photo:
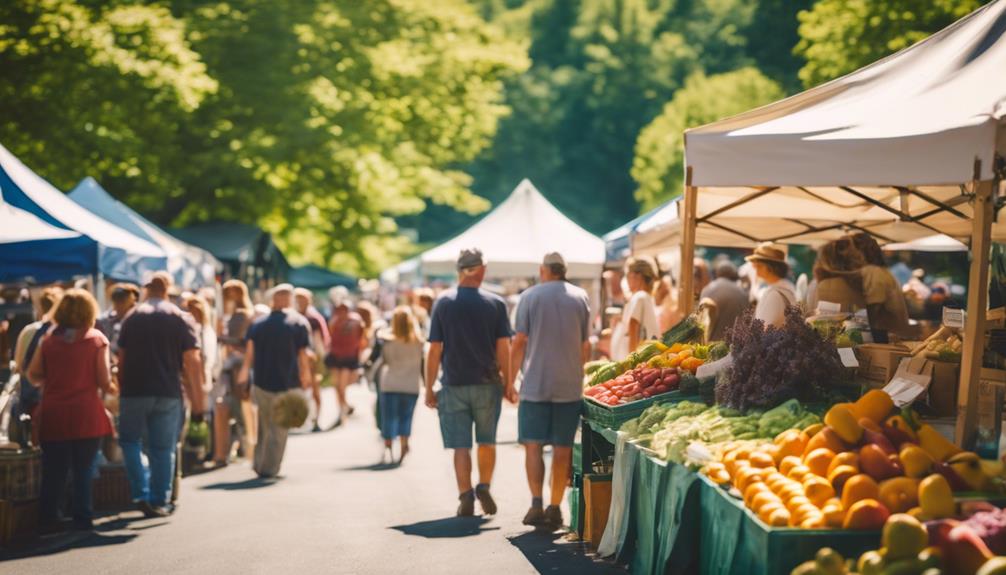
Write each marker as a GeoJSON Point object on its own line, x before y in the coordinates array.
{"type": "Point", "coordinates": [686, 297]}
{"type": "Point", "coordinates": [974, 329]}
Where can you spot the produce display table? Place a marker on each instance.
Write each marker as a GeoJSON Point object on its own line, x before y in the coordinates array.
{"type": "Point", "coordinates": [661, 511]}
{"type": "Point", "coordinates": [733, 541]}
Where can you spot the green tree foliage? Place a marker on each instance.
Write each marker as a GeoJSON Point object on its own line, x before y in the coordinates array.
{"type": "Point", "coordinates": [601, 70]}
{"type": "Point", "coordinates": [659, 164]}
{"type": "Point", "coordinates": [98, 90]}
{"type": "Point", "coordinates": [320, 120]}
{"type": "Point", "coordinates": [840, 36]}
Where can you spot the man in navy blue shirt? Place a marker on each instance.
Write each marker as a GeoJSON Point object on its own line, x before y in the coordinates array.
{"type": "Point", "coordinates": [470, 336]}
{"type": "Point", "coordinates": [278, 351]}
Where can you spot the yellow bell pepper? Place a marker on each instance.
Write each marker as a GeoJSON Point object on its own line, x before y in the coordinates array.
{"type": "Point", "coordinates": [938, 447]}
{"type": "Point", "coordinates": [843, 422]}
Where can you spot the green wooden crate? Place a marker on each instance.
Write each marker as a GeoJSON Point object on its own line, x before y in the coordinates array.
{"type": "Point", "coordinates": [613, 417]}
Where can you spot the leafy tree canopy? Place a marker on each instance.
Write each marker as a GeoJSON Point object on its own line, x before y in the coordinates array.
{"type": "Point", "coordinates": [659, 164]}
{"type": "Point", "coordinates": [841, 36]}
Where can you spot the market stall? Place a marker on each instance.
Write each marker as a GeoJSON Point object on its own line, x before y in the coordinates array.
{"type": "Point", "coordinates": [118, 254]}
{"type": "Point", "coordinates": [38, 252]}
{"type": "Point", "coordinates": [905, 149]}
{"type": "Point", "coordinates": [190, 266]}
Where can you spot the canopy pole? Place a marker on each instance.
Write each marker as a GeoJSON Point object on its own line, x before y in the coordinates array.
{"type": "Point", "coordinates": [686, 298]}
{"type": "Point", "coordinates": [974, 329]}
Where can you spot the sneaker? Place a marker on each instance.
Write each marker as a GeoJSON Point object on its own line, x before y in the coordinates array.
{"type": "Point", "coordinates": [486, 500]}
{"type": "Point", "coordinates": [150, 511]}
{"type": "Point", "coordinates": [535, 516]}
{"type": "Point", "coordinates": [467, 506]}
{"type": "Point", "coordinates": [552, 518]}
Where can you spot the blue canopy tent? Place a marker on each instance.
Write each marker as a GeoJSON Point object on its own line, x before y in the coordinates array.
{"type": "Point", "coordinates": [190, 266]}
{"type": "Point", "coordinates": [118, 254]}
{"type": "Point", "coordinates": [34, 251]}
{"type": "Point", "coordinates": [618, 242]}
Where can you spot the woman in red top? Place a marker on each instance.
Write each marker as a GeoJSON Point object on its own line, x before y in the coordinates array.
{"type": "Point", "coordinates": [346, 342]}
{"type": "Point", "coordinates": [71, 366]}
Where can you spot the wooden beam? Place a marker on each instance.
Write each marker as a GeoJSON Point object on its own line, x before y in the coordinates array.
{"type": "Point", "coordinates": [974, 329]}
{"type": "Point", "coordinates": [686, 297]}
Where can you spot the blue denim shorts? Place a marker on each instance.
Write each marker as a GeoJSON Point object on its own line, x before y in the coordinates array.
{"type": "Point", "coordinates": [548, 423]}
{"type": "Point", "coordinates": [462, 406]}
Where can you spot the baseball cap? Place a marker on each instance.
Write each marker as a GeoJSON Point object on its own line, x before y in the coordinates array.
{"type": "Point", "coordinates": [554, 259]}
{"type": "Point", "coordinates": [470, 258]}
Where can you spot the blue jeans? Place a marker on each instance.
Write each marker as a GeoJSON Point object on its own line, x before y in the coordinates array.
{"type": "Point", "coordinates": [158, 420]}
{"type": "Point", "coordinates": [59, 458]}
{"type": "Point", "coordinates": [396, 414]}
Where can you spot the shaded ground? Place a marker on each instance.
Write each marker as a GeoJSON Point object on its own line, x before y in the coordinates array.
{"type": "Point", "coordinates": [335, 510]}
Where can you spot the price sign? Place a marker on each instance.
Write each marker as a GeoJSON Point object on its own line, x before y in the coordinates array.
{"type": "Point", "coordinates": [954, 318]}
{"type": "Point", "coordinates": [827, 307]}
{"type": "Point", "coordinates": [848, 357]}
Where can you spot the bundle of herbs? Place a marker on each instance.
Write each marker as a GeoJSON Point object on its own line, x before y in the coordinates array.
{"type": "Point", "coordinates": [774, 364]}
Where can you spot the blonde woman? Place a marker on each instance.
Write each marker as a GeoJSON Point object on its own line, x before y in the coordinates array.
{"type": "Point", "coordinates": [402, 354]}
{"type": "Point", "coordinates": [207, 336]}
{"type": "Point", "coordinates": [639, 316]}
{"type": "Point", "coordinates": [228, 399]}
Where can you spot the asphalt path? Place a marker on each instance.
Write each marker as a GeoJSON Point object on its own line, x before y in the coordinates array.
{"type": "Point", "coordinates": [335, 509]}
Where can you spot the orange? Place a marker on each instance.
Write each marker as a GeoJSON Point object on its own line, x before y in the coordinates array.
{"type": "Point", "coordinates": [765, 511]}
{"type": "Point", "coordinates": [762, 499]}
{"type": "Point", "coordinates": [754, 488]}
{"type": "Point", "coordinates": [819, 460]}
{"type": "Point", "coordinates": [858, 488]}
{"type": "Point", "coordinates": [779, 518]}
{"type": "Point", "coordinates": [791, 442]}
{"type": "Point", "coordinates": [866, 514]}
{"type": "Point", "coordinates": [850, 458]}
{"type": "Point", "coordinates": [840, 475]}
{"type": "Point", "coordinates": [761, 459]}
{"type": "Point", "coordinates": [789, 462]}
{"type": "Point", "coordinates": [790, 490]}
{"type": "Point", "coordinates": [814, 522]}
{"type": "Point", "coordinates": [834, 515]}
{"type": "Point", "coordinates": [798, 472]}
{"type": "Point", "coordinates": [818, 489]}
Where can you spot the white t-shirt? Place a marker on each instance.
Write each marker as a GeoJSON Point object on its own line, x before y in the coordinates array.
{"type": "Point", "coordinates": [641, 308]}
{"type": "Point", "coordinates": [774, 300]}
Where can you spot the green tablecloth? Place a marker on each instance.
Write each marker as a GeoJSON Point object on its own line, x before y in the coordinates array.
{"type": "Point", "coordinates": [661, 515]}
{"type": "Point", "coordinates": [734, 542]}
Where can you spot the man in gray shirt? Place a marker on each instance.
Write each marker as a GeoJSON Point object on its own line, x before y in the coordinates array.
{"type": "Point", "coordinates": [551, 346]}
{"type": "Point", "coordinates": [730, 298]}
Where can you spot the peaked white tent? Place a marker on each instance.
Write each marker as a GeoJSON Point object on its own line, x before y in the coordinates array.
{"type": "Point", "coordinates": [121, 255]}
{"type": "Point", "coordinates": [908, 147]}
{"type": "Point", "coordinates": [516, 235]}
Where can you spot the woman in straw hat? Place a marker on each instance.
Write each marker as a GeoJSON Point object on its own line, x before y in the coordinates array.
{"type": "Point", "coordinates": [770, 264]}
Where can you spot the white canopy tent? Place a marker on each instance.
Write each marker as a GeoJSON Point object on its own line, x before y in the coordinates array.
{"type": "Point", "coordinates": [908, 147]}
{"type": "Point", "coordinates": [516, 235]}
{"type": "Point", "coordinates": [933, 244]}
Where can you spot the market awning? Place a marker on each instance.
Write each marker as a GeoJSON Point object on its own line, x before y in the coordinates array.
{"type": "Point", "coordinates": [249, 252]}
{"type": "Point", "coordinates": [120, 254]}
{"type": "Point", "coordinates": [191, 267]}
{"type": "Point", "coordinates": [516, 235]}
{"type": "Point", "coordinates": [890, 149]}
{"type": "Point", "coordinates": [618, 243]}
{"type": "Point", "coordinates": [937, 243]}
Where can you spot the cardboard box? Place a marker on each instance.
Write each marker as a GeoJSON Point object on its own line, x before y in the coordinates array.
{"type": "Point", "coordinates": [879, 361]}
{"type": "Point", "coordinates": [942, 397]}
{"type": "Point", "coordinates": [597, 502]}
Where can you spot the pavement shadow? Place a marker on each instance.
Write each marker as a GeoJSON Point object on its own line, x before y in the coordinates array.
{"type": "Point", "coordinates": [66, 542]}
{"type": "Point", "coordinates": [373, 467]}
{"type": "Point", "coordinates": [549, 553]}
{"type": "Point", "coordinates": [253, 483]}
{"type": "Point", "coordinates": [447, 528]}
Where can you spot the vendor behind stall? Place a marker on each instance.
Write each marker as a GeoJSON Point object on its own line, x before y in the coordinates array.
{"type": "Point", "coordinates": [770, 264]}
{"type": "Point", "coordinates": [885, 301]}
{"type": "Point", "coordinates": [837, 277]}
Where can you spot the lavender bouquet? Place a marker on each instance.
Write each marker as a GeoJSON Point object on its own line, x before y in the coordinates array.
{"type": "Point", "coordinates": [774, 364]}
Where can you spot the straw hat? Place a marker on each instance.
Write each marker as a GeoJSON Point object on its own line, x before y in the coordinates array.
{"type": "Point", "coordinates": [767, 252]}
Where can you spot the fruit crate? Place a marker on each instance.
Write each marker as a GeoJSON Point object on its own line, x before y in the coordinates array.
{"type": "Point", "coordinates": [612, 417]}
